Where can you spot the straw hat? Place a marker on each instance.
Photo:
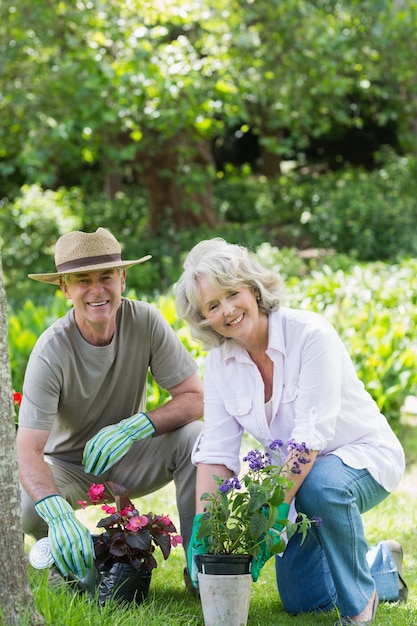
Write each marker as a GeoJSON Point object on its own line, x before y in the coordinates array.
{"type": "Point", "coordinates": [86, 252]}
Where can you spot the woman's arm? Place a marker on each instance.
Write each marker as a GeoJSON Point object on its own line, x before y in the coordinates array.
{"type": "Point", "coordinates": [297, 478]}
{"type": "Point", "coordinates": [205, 482]}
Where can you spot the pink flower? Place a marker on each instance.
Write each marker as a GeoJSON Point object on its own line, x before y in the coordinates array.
{"type": "Point", "coordinates": [165, 520]}
{"type": "Point", "coordinates": [83, 503]}
{"type": "Point", "coordinates": [175, 540]}
{"type": "Point", "coordinates": [110, 510]}
{"type": "Point", "coordinates": [137, 522]}
{"type": "Point", "coordinates": [128, 509]}
{"type": "Point", "coordinates": [96, 493]}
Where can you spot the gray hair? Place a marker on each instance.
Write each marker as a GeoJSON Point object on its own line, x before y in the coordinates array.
{"type": "Point", "coordinates": [225, 266]}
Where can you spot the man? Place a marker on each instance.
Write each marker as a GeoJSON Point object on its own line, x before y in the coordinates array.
{"type": "Point", "coordinates": [81, 419]}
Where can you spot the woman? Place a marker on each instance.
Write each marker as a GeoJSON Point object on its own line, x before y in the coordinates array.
{"type": "Point", "coordinates": [281, 373]}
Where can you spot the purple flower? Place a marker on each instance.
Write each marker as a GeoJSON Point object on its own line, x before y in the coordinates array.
{"type": "Point", "coordinates": [257, 461]}
{"type": "Point", "coordinates": [295, 468]}
{"type": "Point", "coordinates": [236, 483]}
{"type": "Point", "coordinates": [299, 447]}
{"type": "Point", "coordinates": [225, 487]}
{"type": "Point", "coordinates": [229, 484]}
{"type": "Point", "coordinates": [277, 443]}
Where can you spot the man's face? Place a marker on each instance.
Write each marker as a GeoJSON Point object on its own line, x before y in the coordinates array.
{"type": "Point", "coordinates": [96, 297]}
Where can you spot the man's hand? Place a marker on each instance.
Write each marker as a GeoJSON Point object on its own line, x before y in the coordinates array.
{"type": "Point", "coordinates": [265, 554]}
{"type": "Point", "coordinates": [112, 442]}
{"type": "Point", "coordinates": [71, 544]}
{"type": "Point", "coordinates": [195, 547]}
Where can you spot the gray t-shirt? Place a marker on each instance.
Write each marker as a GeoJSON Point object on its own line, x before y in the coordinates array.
{"type": "Point", "coordinates": [74, 389]}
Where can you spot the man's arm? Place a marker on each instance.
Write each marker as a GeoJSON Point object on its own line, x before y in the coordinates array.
{"type": "Point", "coordinates": [112, 442]}
{"type": "Point", "coordinates": [35, 475]}
{"type": "Point", "coordinates": [185, 405]}
{"type": "Point", "coordinates": [70, 541]}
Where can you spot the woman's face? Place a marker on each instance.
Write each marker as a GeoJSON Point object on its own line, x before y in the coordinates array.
{"type": "Point", "coordinates": [232, 313]}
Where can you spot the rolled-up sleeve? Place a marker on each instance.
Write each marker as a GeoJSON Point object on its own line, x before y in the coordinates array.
{"type": "Point", "coordinates": [220, 439]}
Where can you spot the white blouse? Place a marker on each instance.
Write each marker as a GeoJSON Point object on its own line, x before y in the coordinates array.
{"type": "Point", "coordinates": [317, 399]}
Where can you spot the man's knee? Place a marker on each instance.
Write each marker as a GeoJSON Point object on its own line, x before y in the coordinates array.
{"type": "Point", "coordinates": [189, 433]}
{"type": "Point", "coordinates": [32, 524]}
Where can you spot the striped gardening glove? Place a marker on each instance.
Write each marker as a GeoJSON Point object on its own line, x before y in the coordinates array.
{"type": "Point", "coordinates": [265, 554]}
{"type": "Point", "coordinates": [112, 442]}
{"type": "Point", "coordinates": [70, 541]}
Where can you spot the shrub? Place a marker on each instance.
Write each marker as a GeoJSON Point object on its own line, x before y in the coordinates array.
{"type": "Point", "coordinates": [369, 215]}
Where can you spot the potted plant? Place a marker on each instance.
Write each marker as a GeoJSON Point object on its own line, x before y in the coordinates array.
{"type": "Point", "coordinates": [240, 518]}
{"type": "Point", "coordinates": [124, 552]}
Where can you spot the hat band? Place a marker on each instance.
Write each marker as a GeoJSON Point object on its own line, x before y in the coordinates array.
{"type": "Point", "coordinates": [88, 260]}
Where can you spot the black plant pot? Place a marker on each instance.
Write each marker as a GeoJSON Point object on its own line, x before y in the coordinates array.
{"type": "Point", "coordinates": [123, 583]}
{"type": "Point", "coordinates": [224, 564]}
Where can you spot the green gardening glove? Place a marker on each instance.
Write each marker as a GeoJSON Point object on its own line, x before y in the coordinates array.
{"type": "Point", "coordinates": [70, 541]}
{"type": "Point", "coordinates": [195, 547]}
{"type": "Point", "coordinates": [112, 442]}
{"type": "Point", "coordinates": [259, 561]}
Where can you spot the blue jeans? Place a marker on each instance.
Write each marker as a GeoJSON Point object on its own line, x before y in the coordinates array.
{"type": "Point", "coordinates": [332, 567]}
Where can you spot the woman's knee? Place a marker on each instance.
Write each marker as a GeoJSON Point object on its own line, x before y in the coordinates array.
{"type": "Point", "coordinates": [321, 487]}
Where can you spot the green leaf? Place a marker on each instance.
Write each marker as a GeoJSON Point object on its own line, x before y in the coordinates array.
{"type": "Point", "coordinates": [205, 529]}
{"type": "Point", "coordinates": [258, 525]}
{"type": "Point", "coordinates": [278, 547]}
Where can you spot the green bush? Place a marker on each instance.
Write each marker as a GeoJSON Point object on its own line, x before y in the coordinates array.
{"type": "Point", "coordinates": [29, 228]}
{"type": "Point", "coordinates": [24, 327]}
{"type": "Point", "coordinates": [368, 215]}
{"type": "Point", "coordinates": [371, 216]}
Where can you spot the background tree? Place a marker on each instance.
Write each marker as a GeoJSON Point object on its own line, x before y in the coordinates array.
{"type": "Point", "coordinates": [148, 101]}
{"type": "Point", "coordinates": [15, 595]}
{"type": "Point", "coordinates": [118, 87]}
{"type": "Point", "coordinates": [135, 91]}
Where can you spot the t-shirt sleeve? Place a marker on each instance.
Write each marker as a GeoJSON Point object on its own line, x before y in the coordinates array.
{"type": "Point", "coordinates": [41, 390]}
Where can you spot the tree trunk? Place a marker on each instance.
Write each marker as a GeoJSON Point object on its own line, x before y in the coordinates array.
{"type": "Point", "coordinates": [270, 161]}
{"type": "Point", "coordinates": [175, 175]}
{"type": "Point", "coordinates": [15, 595]}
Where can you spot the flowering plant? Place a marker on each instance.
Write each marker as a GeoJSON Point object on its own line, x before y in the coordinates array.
{"type": "Point", "coordinates": [17, 401]}
{"type": "Point", "coordinates": [237, 521]}
{"type": "Point", "coordinates": [129, 537]}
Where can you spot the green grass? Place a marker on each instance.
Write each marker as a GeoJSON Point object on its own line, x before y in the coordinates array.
{"type": "Point", "coordinates": [168, 603]}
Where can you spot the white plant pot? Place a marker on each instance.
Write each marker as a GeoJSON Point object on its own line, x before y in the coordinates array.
{"type": "Point", "coordinates": [225, 599]}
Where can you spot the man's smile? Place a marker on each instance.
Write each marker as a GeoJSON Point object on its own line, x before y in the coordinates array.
{"type": "Point", "coordinates": [98, 303]}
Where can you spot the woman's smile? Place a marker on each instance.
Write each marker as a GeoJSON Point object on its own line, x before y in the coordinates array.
{"type": "Point", "coordinates": [236, 320]}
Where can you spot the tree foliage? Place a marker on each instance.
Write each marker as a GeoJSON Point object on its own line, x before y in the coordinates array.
{"type": "Point", "coordinates": [80, 76]}
{"type": "Point", "coordinates": [135, 91]}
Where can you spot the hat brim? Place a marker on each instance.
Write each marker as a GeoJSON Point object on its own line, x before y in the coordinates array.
{"type": "Point", "coordinates": [53, 279]}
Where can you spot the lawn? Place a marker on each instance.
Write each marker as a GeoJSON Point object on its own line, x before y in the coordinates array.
{"type": "Point", "coordinates": [170, 605]}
